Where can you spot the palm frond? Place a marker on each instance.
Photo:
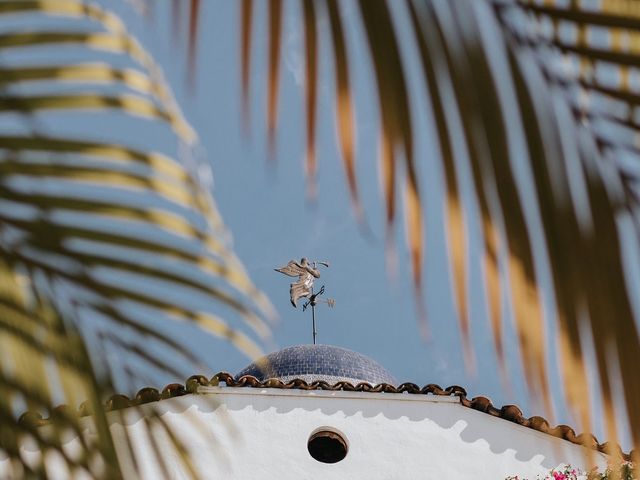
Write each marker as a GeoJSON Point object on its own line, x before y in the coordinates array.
{"type": "Point", "coordinates": [275, 34]}
{"type": "Point", "coordinates": [97, 238]}
{"type": "Point", "coordinates": [311, 79]}
{"type": "Point", "coordinates": [542, 113]}
{"type": "Point", "coordinates": [37, 345]}
{"type": "Point", "coordinates": [344, 103]}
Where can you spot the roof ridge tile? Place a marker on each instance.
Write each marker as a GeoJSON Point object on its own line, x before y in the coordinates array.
{"type": "Point", "coordinates": [511, 413]}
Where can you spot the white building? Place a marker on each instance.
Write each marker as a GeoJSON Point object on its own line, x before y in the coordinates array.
{"type": "Point", "coordinates": [311, 412]}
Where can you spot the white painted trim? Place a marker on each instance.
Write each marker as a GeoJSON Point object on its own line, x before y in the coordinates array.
{"type": "Point", "coordinates": [294, 392]}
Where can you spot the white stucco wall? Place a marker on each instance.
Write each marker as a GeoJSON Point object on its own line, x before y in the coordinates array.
{"type": "Point", "coordinates": [246, 433]}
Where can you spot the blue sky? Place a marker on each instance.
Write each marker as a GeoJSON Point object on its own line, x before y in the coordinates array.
{"type": "Point", "coordinates": [263, 202]}
{"type": "Point", "coordinates": [264, 205]}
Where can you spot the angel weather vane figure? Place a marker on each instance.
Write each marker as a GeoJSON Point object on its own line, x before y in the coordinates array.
{"type": "Point", "coordinates": [306, 272]}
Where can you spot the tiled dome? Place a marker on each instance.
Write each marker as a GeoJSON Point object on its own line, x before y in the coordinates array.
{"type": "Point", "coordinates": [318, 362]}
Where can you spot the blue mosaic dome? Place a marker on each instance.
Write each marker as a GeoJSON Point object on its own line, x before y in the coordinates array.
{"type": "Point", "coordinates": [318, 362]}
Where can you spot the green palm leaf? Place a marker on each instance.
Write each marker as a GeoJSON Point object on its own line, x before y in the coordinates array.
{"type": "Point", "coordinates": [92, 232]}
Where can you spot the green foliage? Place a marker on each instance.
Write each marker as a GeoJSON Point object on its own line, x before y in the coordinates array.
{"type": "Point", "coordinates": [94, 231]}
{"type": "Point", "coordinates": [534, 101]}
{"type": "Point", "coordinates": [624, 471]}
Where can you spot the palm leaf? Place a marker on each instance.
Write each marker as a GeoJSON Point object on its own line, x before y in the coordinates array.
{"type": "Point", "coordinates": [344, 103]}
{"type": "Point", "coordinates": [520, 104]}
{"type": "Point", "coordinates": [93, 236]}
{"type": "Point", "coordinates": [33, 336]}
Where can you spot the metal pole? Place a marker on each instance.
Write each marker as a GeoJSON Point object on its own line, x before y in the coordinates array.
{"type": "Point", "coordinates": [313, 316]}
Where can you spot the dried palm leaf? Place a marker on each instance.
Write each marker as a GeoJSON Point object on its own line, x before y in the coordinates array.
{"type": "Point", "coordinates": [542, 113]}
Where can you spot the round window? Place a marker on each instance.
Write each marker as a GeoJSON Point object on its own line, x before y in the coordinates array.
{"type": "Point", "coordinates": [327, 446]}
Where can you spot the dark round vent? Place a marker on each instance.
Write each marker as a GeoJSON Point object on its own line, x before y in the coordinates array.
{"type": "Point", "coordinates": [327, 447]}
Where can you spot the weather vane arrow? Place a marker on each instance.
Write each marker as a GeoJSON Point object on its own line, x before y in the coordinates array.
{"type": "Point", "coordinates": [306, 272]}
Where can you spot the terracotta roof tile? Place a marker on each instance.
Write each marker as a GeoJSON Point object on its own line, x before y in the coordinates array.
{"type": "Point", "coordinates": [511, 413]}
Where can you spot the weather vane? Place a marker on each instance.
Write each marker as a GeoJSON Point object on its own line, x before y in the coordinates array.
{"type": "Point", "coordinates": [306, 272]}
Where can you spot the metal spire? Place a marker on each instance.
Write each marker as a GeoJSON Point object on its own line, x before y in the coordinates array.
{"type": "Point", "coordinates": [306, 272]}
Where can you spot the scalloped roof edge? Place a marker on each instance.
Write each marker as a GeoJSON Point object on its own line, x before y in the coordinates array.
{"type": "Point", "coordinates": [511, 413]}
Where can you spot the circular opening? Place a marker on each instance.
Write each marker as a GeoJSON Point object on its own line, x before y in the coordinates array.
{"type": "Point", "coordinates": [327, 447]}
